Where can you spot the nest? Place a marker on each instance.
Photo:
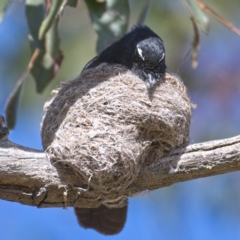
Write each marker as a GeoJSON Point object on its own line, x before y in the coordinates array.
{"type": "Point", "coordinates": [107, 125]}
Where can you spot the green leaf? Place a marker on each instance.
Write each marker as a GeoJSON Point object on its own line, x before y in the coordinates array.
{"type": "Point", "coordinates": [195, 44]}
{"type": "Point", "coordinates": [144, 13]}
{"type": "Point", "coordinates": [199, 20]}
{"type": "Point", "coordinates": [199, 17]}
{"type": "Point", "coordinates": [12, 106]}
{"type": "Point", "coordinates": [55, 8]}
{"type": "Point", "coordinates": [3, 6]}
{"type": "Point", "coordinates": [110, 20]}
{"type": "Point", "coordinates": [72, 3]}
{"type": "Point", "coordinates": [46, 63]}
{"type": "Point", "coordinates": [35, 13]}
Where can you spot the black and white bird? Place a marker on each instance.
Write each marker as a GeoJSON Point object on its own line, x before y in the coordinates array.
{"type": "Point", "coordinates": [141, 51]}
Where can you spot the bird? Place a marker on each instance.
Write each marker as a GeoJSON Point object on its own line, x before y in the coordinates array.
{"type": "Point", "coordinates": [141, 51]}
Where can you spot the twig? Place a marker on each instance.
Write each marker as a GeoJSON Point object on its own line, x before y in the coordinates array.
{"type": "Point", "coordinates": [217, 16]}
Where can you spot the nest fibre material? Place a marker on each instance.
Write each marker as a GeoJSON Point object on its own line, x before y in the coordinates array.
{"type": "Point", "coordinates": [107, 125]}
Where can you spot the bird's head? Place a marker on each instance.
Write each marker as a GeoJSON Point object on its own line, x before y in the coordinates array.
{"type": "Point", "coordinates": [149, 60]}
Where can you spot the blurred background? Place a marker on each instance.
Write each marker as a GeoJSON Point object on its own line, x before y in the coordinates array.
{"type": "Point", "coordinates": [207, 208]}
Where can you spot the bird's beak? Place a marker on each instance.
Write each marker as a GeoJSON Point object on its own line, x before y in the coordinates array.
{"type": "Point", "coordinates": [151, 80]}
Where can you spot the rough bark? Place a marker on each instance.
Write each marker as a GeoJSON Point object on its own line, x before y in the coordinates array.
{"type": "Point", "coordinates": [27, 176]}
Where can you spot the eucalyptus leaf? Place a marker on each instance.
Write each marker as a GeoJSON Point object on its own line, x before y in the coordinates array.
{"type": "Point", "coordinates": [72, 3]}
{"type": "Point", "coordinates": [47, 62]}
{"type": "Point", "coordinates": [199, 16]}
{"type": "Point", "coordinates": [12, 107]}
{"type": "Point", "coordinates": [35, 13]}
{"type": "Point", "coordinates": [55, 8]}
{"type": "Point", "coordinates": [110, 20]}
{"type": "Point", "coordinates": [195, 44]}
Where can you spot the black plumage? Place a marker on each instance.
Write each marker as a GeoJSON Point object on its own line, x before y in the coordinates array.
{"type": "Point", "coordinates": [104, 220]}
{"type": "Point", "coordinates": [141, 50]}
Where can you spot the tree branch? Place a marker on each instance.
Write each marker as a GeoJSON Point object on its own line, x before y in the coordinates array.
{"type": "Point", "coordinates": [27, 176]}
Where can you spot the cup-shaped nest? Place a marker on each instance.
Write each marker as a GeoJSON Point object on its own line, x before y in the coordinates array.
{"type": "Point", "coordinates": [107, 125]}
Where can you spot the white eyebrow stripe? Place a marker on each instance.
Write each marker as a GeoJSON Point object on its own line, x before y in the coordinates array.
{"type": "Point", "coordinates": [140, 53]}
{"type": "Point", "coordinates": [162, 57]}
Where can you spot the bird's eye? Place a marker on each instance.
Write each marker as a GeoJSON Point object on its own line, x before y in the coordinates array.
{"type": "Point", "coordinates": [161, 58]}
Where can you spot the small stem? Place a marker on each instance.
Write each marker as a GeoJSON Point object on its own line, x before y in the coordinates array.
{"type": "Point", "coordinates": [218, 17]}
